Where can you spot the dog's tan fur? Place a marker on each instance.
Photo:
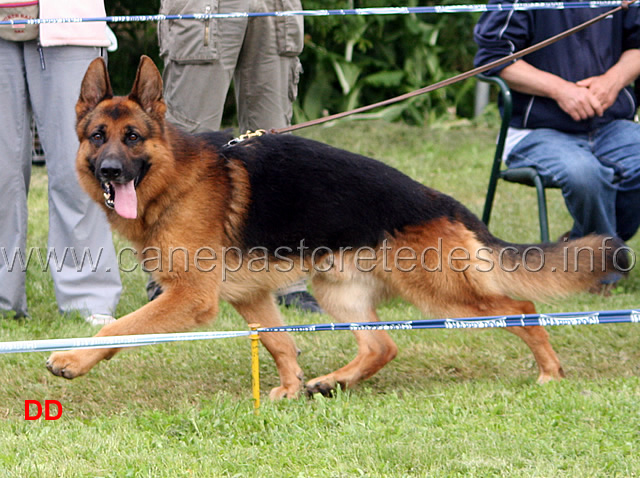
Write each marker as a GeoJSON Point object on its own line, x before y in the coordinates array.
{"type": "Point", "coordinates": [178, 206]}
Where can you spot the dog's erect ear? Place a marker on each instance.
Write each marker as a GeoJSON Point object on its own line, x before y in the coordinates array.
{"type": "Point", "coordinates": [147, 88]}
{"type": "Point", "coordinates": [95, 88]}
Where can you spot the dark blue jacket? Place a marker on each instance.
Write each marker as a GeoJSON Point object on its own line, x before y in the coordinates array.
{"type": "Point", "coordinates": [587, 53]}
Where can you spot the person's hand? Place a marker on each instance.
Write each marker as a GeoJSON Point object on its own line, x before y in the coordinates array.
{"type": "Point", "coordinates": [604, 87]}
{"type": "Point", "coordinates": [577, 101]}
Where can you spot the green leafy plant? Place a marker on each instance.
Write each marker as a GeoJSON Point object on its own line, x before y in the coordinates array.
{"type": "Point", "coordinates": [352, 61]}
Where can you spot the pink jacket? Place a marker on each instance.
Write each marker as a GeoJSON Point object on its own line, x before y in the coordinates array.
{"type": "Point", "coordinates": [79, 34]}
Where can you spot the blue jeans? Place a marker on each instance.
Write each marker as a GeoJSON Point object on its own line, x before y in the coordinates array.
{"type": "Point", "coordinates": [598, 172]}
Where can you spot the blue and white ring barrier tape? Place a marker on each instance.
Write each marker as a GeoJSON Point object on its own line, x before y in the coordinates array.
{"type": "Point", "coordinates": [497, 321]}
{"type": "Point", "coordinates": [52, 345]}
{"type": "Point", "coordinates": [334, 12]}
{"type": "Point", "coordinates": [575, 318]}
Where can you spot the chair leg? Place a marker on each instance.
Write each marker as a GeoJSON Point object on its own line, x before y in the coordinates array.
{"type": "Point", "coordinates": [491, 190]}
{"type": "Point", "coordinates": [542, 209]}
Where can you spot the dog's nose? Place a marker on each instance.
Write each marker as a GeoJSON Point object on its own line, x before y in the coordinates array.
{"type": "Point", "coordinates": [110, 169]}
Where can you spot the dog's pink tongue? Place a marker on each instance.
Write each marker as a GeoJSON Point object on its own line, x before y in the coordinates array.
{"type": "Point", "coordinates": [125, 202]}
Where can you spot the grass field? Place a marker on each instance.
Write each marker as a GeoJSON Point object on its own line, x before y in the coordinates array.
{"type": "Point", "coordinates": [453, 403]}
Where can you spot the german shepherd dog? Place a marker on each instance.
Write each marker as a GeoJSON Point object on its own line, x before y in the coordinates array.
{"type": "Point", "coordinates": [236, 221]}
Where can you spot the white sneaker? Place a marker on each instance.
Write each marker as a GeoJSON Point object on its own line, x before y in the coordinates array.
{"type": "Point", "coordinates": [99, 319]}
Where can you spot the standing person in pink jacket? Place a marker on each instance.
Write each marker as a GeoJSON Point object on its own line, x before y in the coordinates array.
{"type": "Point", "coordinates": [41, 76]}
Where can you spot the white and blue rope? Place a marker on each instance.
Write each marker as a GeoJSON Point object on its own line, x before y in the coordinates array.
{"type": "Point", "coordinates": [577, 318]}
{"type": "Point", "coordinates": [466, 8]}
{"type": "Point", "coordinates": [498, 321]}
{"type": "Point", "coordinates": [52, 345]}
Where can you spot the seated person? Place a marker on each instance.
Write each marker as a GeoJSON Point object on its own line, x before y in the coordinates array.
{"type": "Point", "coordinates": [573, 109]}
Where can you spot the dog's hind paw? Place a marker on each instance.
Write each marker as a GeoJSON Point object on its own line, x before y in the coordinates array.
{"type": "Point", "coordinates": [323, 389]}
{"type": "Point", "coordinates": [548, 377]}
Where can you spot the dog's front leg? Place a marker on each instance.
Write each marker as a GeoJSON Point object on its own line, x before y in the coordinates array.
{"type": "Point", "coordinates": [263, 310]}
{"type": "Point", "coordinates": [173, 311]}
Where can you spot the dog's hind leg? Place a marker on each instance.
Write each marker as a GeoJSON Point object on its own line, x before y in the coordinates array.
{"type": "Point", "coordinates": [263, 310]}
{"type": "Point", "coordinates": [353, 301]}
{"type": "Point", "coordinates": [535, 337]}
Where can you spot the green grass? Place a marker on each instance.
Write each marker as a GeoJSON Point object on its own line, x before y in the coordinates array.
{"type": "Point", "coordinates": [453, 403]}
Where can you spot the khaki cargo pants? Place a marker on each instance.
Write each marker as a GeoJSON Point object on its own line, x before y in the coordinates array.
{"type": "Point", "coordinates": [201, 58]}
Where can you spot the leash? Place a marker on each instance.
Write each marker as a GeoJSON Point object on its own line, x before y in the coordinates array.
{"type": "Point", "coordinates": [457, 78]}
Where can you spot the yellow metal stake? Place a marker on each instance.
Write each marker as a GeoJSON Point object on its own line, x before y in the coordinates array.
{"type": "Point", "coordinates": [255, 367]}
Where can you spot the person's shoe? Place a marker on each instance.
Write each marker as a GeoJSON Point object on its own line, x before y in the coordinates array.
{"type": "Point", "coordinates": [300, 300]}
{"type": "Point", "coordinates": [99, 319]}
{"type": "Point", "coordinates": [603, 289]}
{"type": "Point", "coordinates": [153, 290]}
{"type": "Point", "coordinates": [606, 285]}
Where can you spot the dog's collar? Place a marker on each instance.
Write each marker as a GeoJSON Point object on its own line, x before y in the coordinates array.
{"type": "Point", "coordinates": [247, 135]}
{"type": "Point", "coordinates": [109, 195]}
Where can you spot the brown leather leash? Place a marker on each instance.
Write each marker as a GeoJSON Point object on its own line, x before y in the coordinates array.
{"type": "Point", "coordinates": [457, 78]}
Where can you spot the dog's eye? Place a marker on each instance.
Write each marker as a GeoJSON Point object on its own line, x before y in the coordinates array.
{"type": "Point", "coordinates": [97, 138]}
{"type": "Point", "coordinates": [132, 137]}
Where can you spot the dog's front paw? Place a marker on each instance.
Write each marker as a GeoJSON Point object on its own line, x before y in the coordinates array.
{"type": "Point", "coordinates": [279, 393]}
{"type": "Point", "coordinates": [70, 364]}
